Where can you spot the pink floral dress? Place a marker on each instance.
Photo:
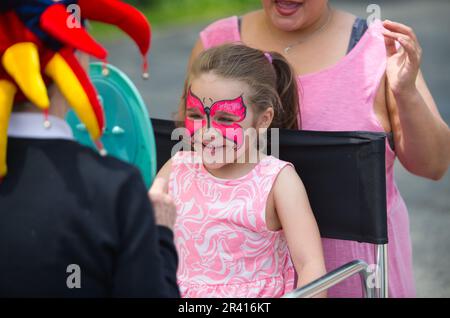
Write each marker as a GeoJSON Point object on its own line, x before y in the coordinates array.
{"type": "Point", "coordinates": [225, 248]}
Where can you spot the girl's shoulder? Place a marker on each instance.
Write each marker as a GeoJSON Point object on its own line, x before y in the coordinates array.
{"type": "Point", "coordinates": [285, 177]}
{"type": "Point", "coordinates": [272, 165]}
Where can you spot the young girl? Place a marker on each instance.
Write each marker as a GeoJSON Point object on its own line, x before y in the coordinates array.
{"type": "Point", "coordinates": [244, 224]}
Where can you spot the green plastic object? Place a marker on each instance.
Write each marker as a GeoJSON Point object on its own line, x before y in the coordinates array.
{"type": "Point", "coordinates": [128, 131]}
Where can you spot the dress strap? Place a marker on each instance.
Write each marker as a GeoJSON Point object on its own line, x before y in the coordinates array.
{"type": "Point", "coordinates": [240, 24]}
{"type": "Point", "coordinates": [359, 29]}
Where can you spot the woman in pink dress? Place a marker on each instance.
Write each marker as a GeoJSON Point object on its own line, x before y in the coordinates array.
{"type": "Point", "coordinates": [373, 83]}
{"type": "Point", "coordinates": [244, 224]}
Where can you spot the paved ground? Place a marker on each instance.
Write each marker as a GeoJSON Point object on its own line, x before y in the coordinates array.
{"type": "Point", "coordinates": [428, 202]}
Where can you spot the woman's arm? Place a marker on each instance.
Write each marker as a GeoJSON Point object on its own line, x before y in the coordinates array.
{"type": "Point", "coordinates": [422, 138]}
{"type": "Point", "coordinates": [299, 226]}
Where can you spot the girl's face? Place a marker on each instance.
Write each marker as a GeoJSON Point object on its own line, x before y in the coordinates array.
{"type": "Point", "coordinates": [219, 119]}
{"type": "Point", "coordinates": [293, 15]}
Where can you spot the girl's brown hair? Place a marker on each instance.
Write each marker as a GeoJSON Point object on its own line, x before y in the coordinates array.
{"type": "Point", "coordinates": [271, 80]}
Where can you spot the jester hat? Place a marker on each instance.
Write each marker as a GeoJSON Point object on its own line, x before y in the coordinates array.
{"type": "Point", "coordinates": [38, 40]}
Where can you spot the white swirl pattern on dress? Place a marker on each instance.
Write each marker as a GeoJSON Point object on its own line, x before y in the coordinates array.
{"type": "Point", "coordinates": [224, 246]}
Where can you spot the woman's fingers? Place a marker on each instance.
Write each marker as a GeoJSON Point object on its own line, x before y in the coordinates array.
{"type": "Point", "coordinates": [411, 47]}
{"type": "Point", "coordinates": [405, 36]}
{"type": "Point", "coordinates": [412, 51]}
{"type": "Point", "coordinates": [391, 48]}
{"type": "Point", "coordinates": [400, 28]}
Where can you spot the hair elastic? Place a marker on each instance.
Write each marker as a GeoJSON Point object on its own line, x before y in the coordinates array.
{"type": "Point", "coordinates": [269, 57]}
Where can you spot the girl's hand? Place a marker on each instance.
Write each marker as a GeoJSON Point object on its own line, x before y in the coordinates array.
{"type": "Point", "coordinates": [403, 64]}
{"type": "Point", "coordinates": [163, 205]}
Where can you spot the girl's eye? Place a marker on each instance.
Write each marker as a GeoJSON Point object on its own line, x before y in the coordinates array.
{"type": "Point", "coordinates": [225, 120]}
{"type": "Point", "coordinates": [195, 116]}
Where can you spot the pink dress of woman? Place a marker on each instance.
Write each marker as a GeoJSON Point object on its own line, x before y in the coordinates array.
{"type": "Point", "coordinates": [224, 246]}
{"type": "Point", "coordinates": [341, 98]}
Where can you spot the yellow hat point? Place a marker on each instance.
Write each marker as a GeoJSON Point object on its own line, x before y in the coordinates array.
{"type": "Point", "coordinates": [7, 92]}
{"type": "Point", "coordinates": [21, 61]}
{"type": "Point", "coordinates": [73, 91]}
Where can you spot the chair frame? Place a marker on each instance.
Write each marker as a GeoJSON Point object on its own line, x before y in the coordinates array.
{"type": "Point", "coordinates": [348, 270]}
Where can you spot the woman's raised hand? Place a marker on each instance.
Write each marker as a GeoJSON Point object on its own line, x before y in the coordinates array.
{"type": "Point", "coordinates": [403, 63]}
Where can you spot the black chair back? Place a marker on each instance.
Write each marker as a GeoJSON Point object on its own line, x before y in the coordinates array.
{"type": "Point", "coordinates": [343, 172]}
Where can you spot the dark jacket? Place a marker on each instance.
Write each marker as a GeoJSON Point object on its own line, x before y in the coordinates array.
{"type": "Point", "coordinates": [69, 217]}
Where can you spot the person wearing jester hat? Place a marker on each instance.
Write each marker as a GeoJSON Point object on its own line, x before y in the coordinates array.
{"type": "Point", "coordinates": [72, 223]}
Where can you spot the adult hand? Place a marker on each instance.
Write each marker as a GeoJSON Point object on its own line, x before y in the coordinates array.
{"type": "Point", "coordinates": [163, 204]}
{"type": "Point", "coordinates": [403, 63]}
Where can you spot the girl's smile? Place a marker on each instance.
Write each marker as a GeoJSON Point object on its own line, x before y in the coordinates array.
{"type": "Point", "coordinates": [211, 148]}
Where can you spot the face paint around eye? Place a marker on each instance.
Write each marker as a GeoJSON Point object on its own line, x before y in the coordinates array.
{"type": "Point", "coordinates": [230, 130]}
{"type": "Point", "coordinates": [193, 102]}
{"type": "Point", "coordinates": [235, 108]}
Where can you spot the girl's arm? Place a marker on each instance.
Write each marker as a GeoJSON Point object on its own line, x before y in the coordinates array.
{"type": "Point", "coordinates": [299, 226]}
{"type": "Point", "coordinates": [422, 138]}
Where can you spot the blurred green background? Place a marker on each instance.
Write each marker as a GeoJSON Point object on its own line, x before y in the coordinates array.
{"type": "Point", "coordinates": [163, 13]}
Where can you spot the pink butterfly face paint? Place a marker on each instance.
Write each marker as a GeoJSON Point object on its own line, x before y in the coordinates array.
{"type": "Point", "coordinates": [211, 117]}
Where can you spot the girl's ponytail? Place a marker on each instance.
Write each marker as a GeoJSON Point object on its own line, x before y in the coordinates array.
{"type": "Point", "coordinates": [288, 116]}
